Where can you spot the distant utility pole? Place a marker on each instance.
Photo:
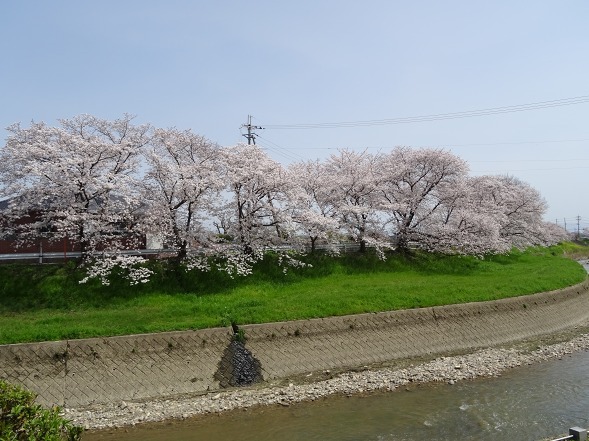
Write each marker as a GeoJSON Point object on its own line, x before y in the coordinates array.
{"type": "Point", "coordinates": [578, 227]}
{"type": "Point", "coordinates": [250, 135]}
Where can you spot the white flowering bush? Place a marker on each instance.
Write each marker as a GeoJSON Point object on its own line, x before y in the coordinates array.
{"type": "Point", "coordinates": [200, 263]}
{"type": "Point", "coordinates": [236, 262]}
{"type": "Point", "coordinates": [129, 266]}
{"type": "Point", "coordinates": [287, 260]}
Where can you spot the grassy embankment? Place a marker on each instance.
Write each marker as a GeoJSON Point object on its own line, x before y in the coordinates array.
{"type": "Point", "coordinates": [39, 303]}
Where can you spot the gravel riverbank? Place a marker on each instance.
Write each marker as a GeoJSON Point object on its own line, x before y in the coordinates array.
{"type": "Point", "coordinates": [449, 369]}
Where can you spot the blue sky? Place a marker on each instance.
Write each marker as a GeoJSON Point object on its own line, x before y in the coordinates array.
{"type": "Point", "coordinates": [208, 65]}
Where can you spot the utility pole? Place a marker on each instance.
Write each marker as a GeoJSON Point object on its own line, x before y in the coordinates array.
{"type": "Point", "coordinates": [578, 227]}
{"type": "Point", "coordinates": [250, 135]}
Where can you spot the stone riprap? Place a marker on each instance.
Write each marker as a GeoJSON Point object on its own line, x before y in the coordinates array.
{"type": "Point", "coordinates": [449, 369]}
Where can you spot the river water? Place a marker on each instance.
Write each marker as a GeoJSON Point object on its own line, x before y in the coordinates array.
{"type": "Point", "coordinates": [528, 403]}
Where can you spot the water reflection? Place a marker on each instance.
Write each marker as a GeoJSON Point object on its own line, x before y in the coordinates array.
{"type": "Point", "coordinates": [531, 403]}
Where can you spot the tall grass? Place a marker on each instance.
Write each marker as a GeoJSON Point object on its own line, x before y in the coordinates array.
{"type": "Point", "coordinates": [46, 302]}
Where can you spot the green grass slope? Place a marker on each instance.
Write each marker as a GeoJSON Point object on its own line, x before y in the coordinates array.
{"type": "Point", "coordinates": [46, 302]}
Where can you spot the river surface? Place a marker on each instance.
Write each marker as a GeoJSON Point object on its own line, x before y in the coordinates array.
{"type": "Point", "coordinates": [528, 403]}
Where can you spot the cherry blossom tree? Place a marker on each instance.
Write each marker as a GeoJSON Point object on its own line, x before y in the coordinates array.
{"type": "Point", "coordinates": [182, 183]}
{"type": "Point", "coordinates": [256, 211]}
{"type": "Point", "coordinates": [312, 210]}
{"type": "Point", "coordinates": [463, 224]}
{"type": "Point", "coordinates": [416, 189]}
{"type": "Point", "coordinates": [350, 188]}
{"type": "Point", "coordinates": [517, 207]}
{"type": "Point", "coordinates": [78, 179]}
{"type": "Point", "coordinates": [554, 234]}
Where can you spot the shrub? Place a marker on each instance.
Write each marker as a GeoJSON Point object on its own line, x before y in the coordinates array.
{"type": "Point", "coordinates": [21, 419]}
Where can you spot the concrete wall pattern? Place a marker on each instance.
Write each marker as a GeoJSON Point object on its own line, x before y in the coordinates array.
{"type": "Point", "coordinates": [76, 373]}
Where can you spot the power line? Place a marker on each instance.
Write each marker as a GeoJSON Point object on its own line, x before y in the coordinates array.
{"type": "Point", "coordinates": [515, 143]}
{"type": "Point", "coordinates": [530, 169]}
{"type": "Point", "coordinates": [450, 145]}
{"type": "Point", "coordinates": [580, 218]}
{"type": "Point", "coordinates": [270, 145]}
{"type": "Point", "coordinates": [531, 160]}
{"type": "Point", "coordinates": [250, 135]}
{"type": "Point", "coordinates": [436, 117]}
{"type": "Point", "coordinates": [251, 139]}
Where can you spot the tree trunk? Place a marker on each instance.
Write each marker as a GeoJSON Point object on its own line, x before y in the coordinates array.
{"type": "Point", "coordinates": [362, 246]}
{"type": "Point", "coordinates": [313, 241]}
{"type": "Point", "coordinates": [402, 243]}
{"type": "Point", "coordinates": [183, 250]}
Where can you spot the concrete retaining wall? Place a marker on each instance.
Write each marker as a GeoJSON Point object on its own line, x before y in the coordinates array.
{"type": "Point", "coordinates": [77, 373]}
